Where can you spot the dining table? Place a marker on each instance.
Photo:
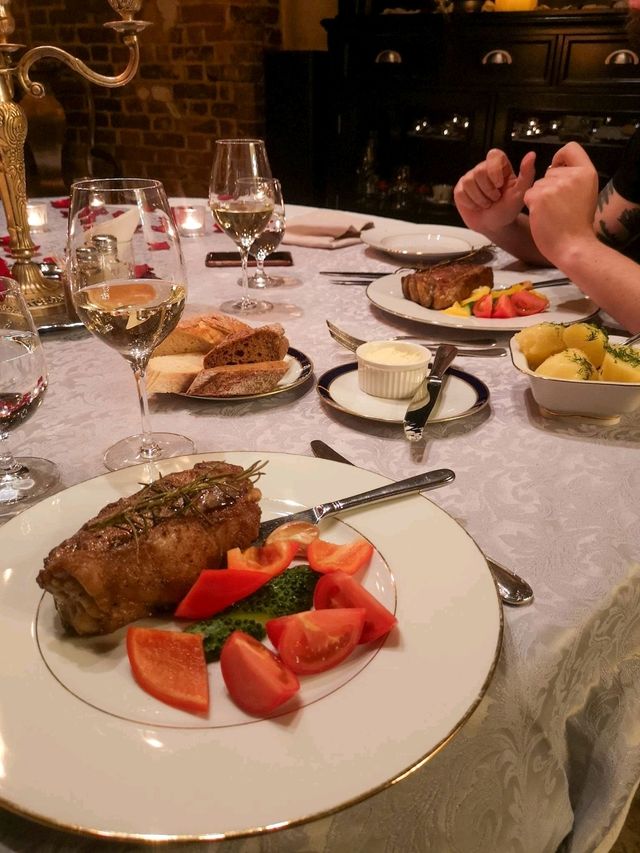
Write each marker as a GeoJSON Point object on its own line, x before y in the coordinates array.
{"type": "Point", "coordinates": [548, 759]}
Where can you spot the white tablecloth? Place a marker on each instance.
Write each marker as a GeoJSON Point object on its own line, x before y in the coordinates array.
{"type": "Point", "coordinates": [549, 760]}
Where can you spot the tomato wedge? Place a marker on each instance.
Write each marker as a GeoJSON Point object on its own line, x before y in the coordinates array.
{"type": "Point", "coordinates": [340, 590]}
{"type": "Point", "coordinates": [302, 532]}
{"type": "Point", "coordinates": [317, 640]}
{"type": "Point", "coordinates": [503, 307]}
{"type": "Point", "coordinates": [528, 302]}
{"type": "Point", "coordinates": [170, 666]}
{"type": "Point", "coordinates": [257, 680]}
{"type": "Point", "coordinates": [217, 589]}
{"type": "Point", "coordinates": [483, 307]}
{"type": "Point", "coordinates": [271, 559]}
{"type": "Point", "coordinates": [329, 557]}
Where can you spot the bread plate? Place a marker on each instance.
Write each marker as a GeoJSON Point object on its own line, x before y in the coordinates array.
{"type": "Point", "coordinates": [432, 243]}
{"type": "Point", "coordinates": [567, 304]}
{"type": "Point", "coordinates": [300, 371]}
{"type": "Point", "coordinates": [576, 398]}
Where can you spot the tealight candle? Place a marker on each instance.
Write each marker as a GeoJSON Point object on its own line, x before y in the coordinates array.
{"type": "Point", "coordinates": [37, 216]}
{"type": "Point", "coordinates": [190, 220]}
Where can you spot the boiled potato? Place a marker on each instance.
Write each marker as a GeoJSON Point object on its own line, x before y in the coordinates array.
{"type": "Point", "coordinates": [568, 364]}
{"type": "Point", "coordinates": [588, 338]}
{"type": "Point", "coordinates": [621, 364]}
{"type": "Point", "coordinates": [538, 342]}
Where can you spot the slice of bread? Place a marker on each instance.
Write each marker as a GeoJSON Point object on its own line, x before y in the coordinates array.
{"type": "Point", "coordinates": [266, 343]}
{"type": "Point", "coordinates": [172, 374]}
{"type": "Point", "coordinates": [199, 334]}
{"type": "Point", "coordinates": [238, 379]}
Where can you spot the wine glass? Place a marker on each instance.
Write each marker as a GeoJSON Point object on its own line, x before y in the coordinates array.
{"type": "Point", "coordinates": [242, 203]}
{"type": "Point", "coordinates": [128, 284]}
{"type": "Point", "coordinates": [23, 381]}
{"type": "Point", "coordinates": [268, 241]}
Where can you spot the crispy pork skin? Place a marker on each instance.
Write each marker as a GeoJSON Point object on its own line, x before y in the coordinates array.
{"type": "Point", "coordinates": [132, 561]}
{"type": "Point", "coordinates": [439, 287]}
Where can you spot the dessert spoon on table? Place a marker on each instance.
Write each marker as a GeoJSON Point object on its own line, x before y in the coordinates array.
{"type": "Point", "coordinates": [513, 589]}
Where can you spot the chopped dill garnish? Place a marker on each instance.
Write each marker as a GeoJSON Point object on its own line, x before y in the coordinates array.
{"type": "Point", "coordinates": [585, 369]}
{"type": "Point", "coordinates": [629, 355]}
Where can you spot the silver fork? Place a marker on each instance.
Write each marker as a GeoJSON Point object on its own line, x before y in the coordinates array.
{"type": "Point", "coordinates": [482, 347]}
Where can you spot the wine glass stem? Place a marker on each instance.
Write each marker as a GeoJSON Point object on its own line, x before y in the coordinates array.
{"type": "Point", "coordinates": [9, 467]}
{"type": "Point", "coordinates": [148, 448]}
{"type": "Point", "coordinates": [260, 277]}
{"type": "Point", "coordinates": [244, 258]}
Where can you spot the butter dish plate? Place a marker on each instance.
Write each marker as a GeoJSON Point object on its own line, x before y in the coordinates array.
{"type": "Point", "coordinates": [462, 395]}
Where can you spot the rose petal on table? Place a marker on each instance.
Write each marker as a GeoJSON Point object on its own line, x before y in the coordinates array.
{"type": "Point", "coordinates": [143, 271]}
{"type": "Point", "coordinates": [61, 203]}
{"type": "Point", "coordinates": [5, 269]}
{"type": "Point", "coordinates": [158, 247]}
{"type": "Point", "coordinates": [161, 227]}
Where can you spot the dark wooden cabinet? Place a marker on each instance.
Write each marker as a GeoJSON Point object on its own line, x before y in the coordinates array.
{"type": "Point", "coordinates": [417, 99]}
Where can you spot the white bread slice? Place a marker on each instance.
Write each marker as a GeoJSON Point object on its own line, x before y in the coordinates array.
{"type": "Point", "coordinates": [265, 343]}
{"type": "Point", "coordinates": [172, 374]}
{"type": "Point", "coordinates": [238, 379]}
{"type": "Point", "coordinates": [199, 334]}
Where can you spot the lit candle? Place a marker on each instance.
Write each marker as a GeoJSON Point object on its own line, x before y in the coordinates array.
{"type": "Point", "coordinates": [37, 217]}
{"type": "Point", "coordinates": [190, 220]}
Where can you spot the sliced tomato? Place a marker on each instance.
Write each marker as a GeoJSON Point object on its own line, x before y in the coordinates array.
{"type": "Point", "coordinates": [275, 627]}
{"type": "Point", "coordinates": [317, 640]}
{"type": "Point", "coordinates": [271, 559]}
{"type": "Point", "coordinates": [170, 666]}
{"type": "Point", "coordinates": [503, 307]}
{"type": "Point", "coordinates": [217, 589]}
{"type": "Point", "coordinates": [257, 680]}
{"type": "Point", "coordinates": [340, 590]}
{"type": "Point", "coordinates": [528, 302]}
{"type": "Point", "coordinates": [301, 532]}
{"type": "Point", "coordinates": [483, 307]}
{"type": "Point", "coordinates": [329, 557]}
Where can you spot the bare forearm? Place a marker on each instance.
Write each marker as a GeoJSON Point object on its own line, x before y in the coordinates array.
{"type": "Point", "coordinates": [517, 240]}
{"type": "Point", "coordinates": [608, 277]}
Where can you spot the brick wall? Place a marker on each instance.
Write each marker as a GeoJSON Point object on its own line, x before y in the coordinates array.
{"type": "Point", "coordinates": [200, 78]}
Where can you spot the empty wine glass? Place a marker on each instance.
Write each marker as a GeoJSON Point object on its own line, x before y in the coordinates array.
{"type": "Point", "coordinates": [23, 381]}
{"type": "Point", "coordinates": [128, 284]}
{"type": "Point", "coordinates": [268, 241]}
{"type": "Point", "coordinates": [242, 202]}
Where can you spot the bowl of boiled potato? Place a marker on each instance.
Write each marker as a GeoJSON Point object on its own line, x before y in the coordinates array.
{"type": "Point", "coordinates": [578, 370]}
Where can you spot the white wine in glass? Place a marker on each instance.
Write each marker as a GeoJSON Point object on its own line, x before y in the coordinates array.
{"type": "Point", "coordinates": [268, 241]}
{"type": "Point", "coordinates": [241, 199]}
{"type": "Point", "coordinates": [129, 288]}
{"type": "Point", "coordinates": [23, 382]}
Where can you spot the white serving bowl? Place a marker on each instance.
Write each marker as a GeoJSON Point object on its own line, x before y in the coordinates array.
{"type": "Point", "coordinates": [577, 397]}
{"type": "Point", "coordinates": [391, 369]}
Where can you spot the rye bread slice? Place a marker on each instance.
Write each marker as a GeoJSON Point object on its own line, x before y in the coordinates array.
{"type": "Point", "coordinates": [265, 343]}
{"type": "Point", "coordinates": [232, 380]}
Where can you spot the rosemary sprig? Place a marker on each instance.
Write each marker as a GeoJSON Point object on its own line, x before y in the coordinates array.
{"type": "Point", "coordinates": [139, 515]}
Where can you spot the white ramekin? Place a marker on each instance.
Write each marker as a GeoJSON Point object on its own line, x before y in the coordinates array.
{"type": "Point", "coordinates": [391, 369]}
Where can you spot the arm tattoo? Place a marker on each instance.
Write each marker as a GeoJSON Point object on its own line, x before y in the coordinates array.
{"type": "Point", "coordinates": [605, 195]}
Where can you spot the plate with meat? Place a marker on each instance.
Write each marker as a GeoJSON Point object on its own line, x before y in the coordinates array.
{"type": "Point", "coordinates": [83, 567]}
{"type": "Point", "coordinates": [428, 295]}
{"type": "Point", "coordinates": [431, 243]}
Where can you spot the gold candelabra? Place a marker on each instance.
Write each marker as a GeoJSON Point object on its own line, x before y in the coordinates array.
{"type": "Point", "coordinates": [45, 297]}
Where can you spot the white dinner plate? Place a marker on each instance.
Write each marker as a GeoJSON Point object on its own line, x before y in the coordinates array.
{"type": "Point", "coordinates": [300, 370]}
{"type": "Point", "coordinates": [434, 243]}
{"type": "Point", "coordinates": [85, 749]}
{"type": "Point", "coordinates": [567, 304]}
{"type": "Point", "coordinates": [462, 395]}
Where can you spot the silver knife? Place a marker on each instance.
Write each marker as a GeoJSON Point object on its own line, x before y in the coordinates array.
{"type": "Point", "coordinates": [427, 394]}
{"type": "Point", "coordinates": [430, 480]}
{"type": "Point", "coordinates": [512, 589]}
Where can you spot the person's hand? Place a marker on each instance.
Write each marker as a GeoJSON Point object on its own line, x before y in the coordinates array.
{"type": "Point", "coordinates": [562, 204]}
{"type": "Point", "coordinates": [491, 195]}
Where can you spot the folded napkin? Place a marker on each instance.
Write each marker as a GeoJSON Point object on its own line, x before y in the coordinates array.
{"type": "Point", "coordinates": [325, 229]}
{"type": "Point", "coordinates": [122, 227]}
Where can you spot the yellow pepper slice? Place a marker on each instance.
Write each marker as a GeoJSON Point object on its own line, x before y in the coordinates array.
{"type": "Point", "coordinates": [458, 310]}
